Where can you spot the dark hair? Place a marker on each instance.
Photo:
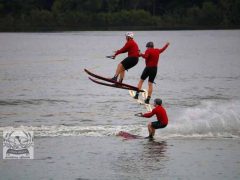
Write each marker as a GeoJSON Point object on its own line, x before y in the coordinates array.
{"type": "Point", "coordinates": [150, 44]}
{"type": "Point", "coordinates": [158, 101]}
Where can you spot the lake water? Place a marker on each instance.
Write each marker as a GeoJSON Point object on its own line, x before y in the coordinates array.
{"type": "Point", "coordinates": [44, 88]}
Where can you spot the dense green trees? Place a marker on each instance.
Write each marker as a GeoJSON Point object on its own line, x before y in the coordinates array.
{"type": "Point", "coordinates": [41, 15]}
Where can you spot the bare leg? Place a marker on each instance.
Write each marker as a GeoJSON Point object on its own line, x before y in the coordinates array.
{"type": "Point", "coordinates": [140, 83]}
{"type": "Point", "coordinates": [150, 89]}
{"type": "Point", "coordinates": [151, 130]}
{"type": "Point", "coordinates": [119, 69]}
{"type": "Point", "coordinates": [122, 74]}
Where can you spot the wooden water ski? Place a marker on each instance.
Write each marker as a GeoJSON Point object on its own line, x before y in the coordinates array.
{"type": "Point", "coordinates": [130, 87]}
{"type": "Point", "coordinates": [107, 84]}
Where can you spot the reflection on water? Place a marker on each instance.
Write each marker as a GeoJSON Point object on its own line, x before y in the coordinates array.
{"type": "Point", "coordinates": [155, 150]}
{"type": "Point", "coordinates": [154, 155]}
{"type": "Point", "coordinates": [144, 158]}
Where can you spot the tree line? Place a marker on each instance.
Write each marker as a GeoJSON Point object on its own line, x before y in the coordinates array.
{"type": "Point", "coordinates": [58, 15]}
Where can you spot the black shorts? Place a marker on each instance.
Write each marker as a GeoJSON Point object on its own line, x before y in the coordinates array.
{"type": "Point", "coordinates": [149, 72]}
{"type": "Point", "coordinates": [157, 125]}
{"type": "Point", "coordinates": [129, 62]}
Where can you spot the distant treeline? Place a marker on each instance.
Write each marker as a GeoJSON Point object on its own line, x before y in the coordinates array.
{"type": "Point", "coordinates": [58, 15]}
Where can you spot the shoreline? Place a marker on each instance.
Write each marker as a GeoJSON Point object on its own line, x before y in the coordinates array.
{"type": "Point", "coordinates": [53, 30]}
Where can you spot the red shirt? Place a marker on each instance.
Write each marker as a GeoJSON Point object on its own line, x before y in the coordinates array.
{"type": "Point", "coordinates": [160, 113]}
{"type": "Point", "coordinates": [152, 56]}
{"type": "Point", "coordinates": [131, 47]}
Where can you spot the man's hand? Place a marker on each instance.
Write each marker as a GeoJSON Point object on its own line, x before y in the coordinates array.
{"type": "Point", "coordinates": [111, 57]}
{"type": "Point", "coordinates": [139, 114]}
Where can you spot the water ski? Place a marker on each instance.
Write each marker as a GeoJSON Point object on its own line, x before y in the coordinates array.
{"type": "Point", "coordinates": [127, 135]}
{"type": "Point", "coordinates": [111, 82]}
{"type": "Point", "coordinates": [107, 84]}
{"type": "Point", "coordinates": [141, 98]}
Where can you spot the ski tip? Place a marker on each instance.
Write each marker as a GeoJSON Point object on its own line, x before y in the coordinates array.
{"type": "Point", "coordinates": [87, 71]}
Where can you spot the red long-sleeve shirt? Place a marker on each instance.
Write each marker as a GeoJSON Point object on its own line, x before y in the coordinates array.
{"type": "Point", "coordinates": [151, 56]}
{"type": "Point", "coordinates": [131, 47]}
{"type": "Point", "coordinates": [160, 113]}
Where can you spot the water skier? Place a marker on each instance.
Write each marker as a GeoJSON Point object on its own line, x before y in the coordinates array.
{"type": "Point", "coordinates": [151, 56]}
{"type": "Point", "coordinates": [132, 49]}
{"type": "Point", "coordinates": [162, 118]}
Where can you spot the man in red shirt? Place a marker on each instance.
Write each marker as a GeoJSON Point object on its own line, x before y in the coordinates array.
{"type": "Point", "coordinates": [151, 56]}
{"type": "Point", "coordinates": [162, 118]}
{"type": "Point", "coordinates": [132, 49]}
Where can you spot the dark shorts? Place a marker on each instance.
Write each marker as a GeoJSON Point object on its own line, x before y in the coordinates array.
{"type": "Point", "coordinates": [157, 125]}
{"type": "Point", "coordinates": [149, 72]}
{"type": "Point", "coordinates": [129, 62]}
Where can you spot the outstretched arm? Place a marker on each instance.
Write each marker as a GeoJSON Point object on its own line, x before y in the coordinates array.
{"type": "Point", "coordinates": [146, 115]}
{"type": "Point", "coordinates": [164, 47]}
{"type": "Point", "coordinates": [122, 50]}
{"type": "Point", "coordinates": [149, 114]}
